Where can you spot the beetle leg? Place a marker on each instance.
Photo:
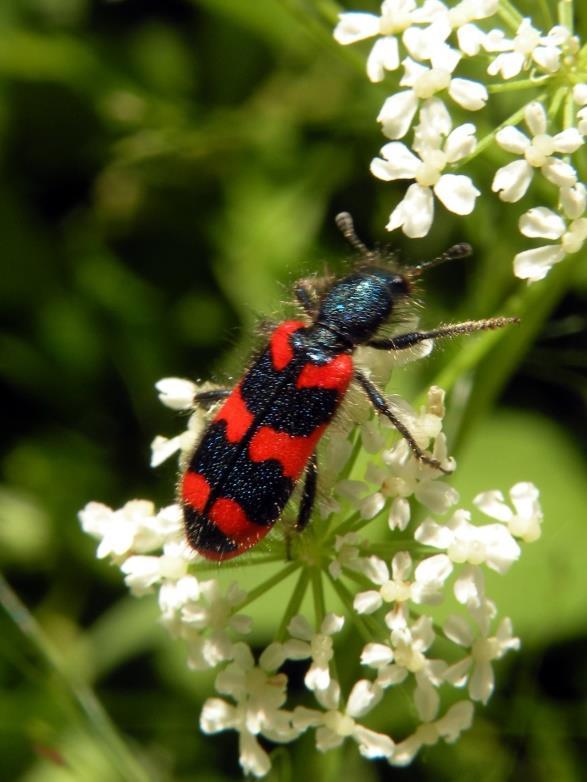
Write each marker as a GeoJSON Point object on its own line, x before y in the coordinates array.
{"type": "Point", "coordinates": [207, 398]}
{"type": "Point", "coordinates": [308, 494]}
{"type": "Point", "coordinates": [382, 406]}
{"type": "Point", "coordinates": [403, 341]}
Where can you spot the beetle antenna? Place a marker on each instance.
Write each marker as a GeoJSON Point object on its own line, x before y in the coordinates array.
{"type": "Point", "coordinates": [457, 251]}
{"type": "Point", "coordinates": [346, 226]}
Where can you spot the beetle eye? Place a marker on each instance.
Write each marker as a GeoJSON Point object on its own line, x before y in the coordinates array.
{"type": "Point", "coordinates": [399, 286]}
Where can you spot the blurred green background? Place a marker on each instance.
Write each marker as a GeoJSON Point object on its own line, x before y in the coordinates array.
{"type": "Point", "coordinates": [168, 168]}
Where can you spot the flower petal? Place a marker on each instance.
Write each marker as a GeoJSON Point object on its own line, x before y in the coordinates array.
{"type": "Point", "coordinates": [331, 624]}
{"type": "Point", "coordinates": [492, 504]}
{"type": "Point", "coordinates": [399, 514]}
{"type": "Point", "coordinates": [397, 113]}
{"type": "Point", "coordinates": [574, 200]}
{"type": "Point", "coordinates": [372, 744]}
{"type": "Point", "coordinates": [470, 39]}
{"type": "Point", "coordinates": [542, 222]}
{"type": "Point", "coordinates": [363, 697]}
{"type": "Point", "coordinates": [508, 64]}
{"type": "Point", "coordinates": [384, 56]}
{"type": "Point", "coordinates": [512, 181]}
{"type": "Point", "coordinates": [535, 264]}
{"type": "Point", "coordinates": [512, 139]}
{"type": "Point", "coordinates": [460, 143]}
{"type": "Point", "coordinates": [376, 655]}
{"type": "Point", "coordinates": [568, 141]}
{"type": "Point", "coordinates": [367, 602]}
{"type": "Point", "coordinates": [559, 173]}
{"type": "Point", "coordinates": [457, 719]}
{"type": "Point", "coordinates": [482, 681]}
{"type": "Point", "coordinates": [414, 214]}
{"type": "Point", "coordinates": [398, 163]}
{"type": "Point", "coordinates": [458, 630]}
{"type": "Point", "coordinates": [355, 26]}
{"type": "Point", "coordinates": [176, 393]}
{"type": "Point", "coordinates": [470, 95]}
{"type": "Point", "coordinates": [535, 118]}
{"type": "Point", "coordinates": [457, 193]}
{"type": "Point", "coordinates": [435, 569]}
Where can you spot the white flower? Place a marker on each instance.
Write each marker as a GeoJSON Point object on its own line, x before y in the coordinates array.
{"type": "Point", "coordinates": [396, 16]}
{"type": "Point", "coordinates": [448, 728]}
{"type": "Point", "coordinates": [208, 621]}
{"type": "Point", "coordinates": [135, 528]}
{"type": "Point", "coordinates": [571, 231]}
{"type": "Point", "coordinates": [173, 596]}
{"type": "Point", "coordinates": [405, 655]}
{"type": "Point", "coordinates": [142, 572]}
{"type": "Point", "coordinates": [476, 668]}
{"type": "Point", "coordinates": [491, 544]}
{"type": "Point", "coordinates": [527, 48]}
{"type": "Point", "coordinates": [306, 643]}
{"type": "Point", "coordinates": [346, 555]}
{"type": "Point", "coordinates": [162, 448]}
{"type": "Point", "coordinates": [512, 181]}
{"type": "Point", "coordinates": [150, 549]}
{"type": "Point", "coordinates": [178, 394]}
{"type": "Point", "coordinates": [408, 477]}
{"type": "Point", "coordinates": [470, 38]}
{"type": "Point", "coordinates": [404, 475]}
{"type": "Point", "coordinates": [399, 110]}
{"type": "Point", "coordinates": [525, 520]}
{"type": "Point", "coordinates": [258, 694]}
{"type": "Point", "coordinates": [469, 587]}
{"type": "Point", "coordinates": [334, 725]}
{"type": "Point", "coordinates": [414, 214]}
{"type": "Point", "coordinates": [398, 588]}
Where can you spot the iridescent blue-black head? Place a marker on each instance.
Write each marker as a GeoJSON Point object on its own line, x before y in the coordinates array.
{"type": "Point", "coordinates": [357, 305]}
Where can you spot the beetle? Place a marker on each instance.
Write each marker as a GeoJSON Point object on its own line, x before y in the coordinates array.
{"type": "Point", "coordinates": [263, 438]}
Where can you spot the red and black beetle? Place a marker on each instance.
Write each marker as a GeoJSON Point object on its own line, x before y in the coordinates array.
{"type": "Point", "coordinates": [263, 438]}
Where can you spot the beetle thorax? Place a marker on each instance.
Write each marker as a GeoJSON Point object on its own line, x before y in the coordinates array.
{"type": "Point", "coordinates": [356, 306]}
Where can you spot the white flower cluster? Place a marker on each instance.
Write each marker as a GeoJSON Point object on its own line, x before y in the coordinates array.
{"type": "Point", "coordinates": [431, 42]}
{"type": "Point", "coordinates": [388, 586]}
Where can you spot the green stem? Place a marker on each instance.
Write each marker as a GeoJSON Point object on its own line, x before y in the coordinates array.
{"type": "Point", "coordinates": [510, 14]}
{"type": "Point", "coordinates": [487, 140]}
{"type": "Point", "coordinates": [346, 525]}
{"type": "Point", "coordinates": [347, 600]}
{"type": "Point", "coordinates": [92, 710]}
{"type": "Point", "coordinates": [318, 593]}
{"type": "Point", "coordinates": [519, 84]}
{"type": "Point", "coordinates": [556, 101]}
{"type": "Point", "coordinates": [546, 13]}
{"type": "Point", "coordinates": [269, 583]}
{"type": "Point", "coordinates": [533, 303]}
{"type": "Point", "coordinates": [252, 560]}
{"type": "Point", "coordinates": [295, 601]}
{"type": "Point", "coordinates": [565, 14]}
{"type": "Point", "coordinates": [357, 447]}
{"type": "Point", "coordinates": [569, 110]}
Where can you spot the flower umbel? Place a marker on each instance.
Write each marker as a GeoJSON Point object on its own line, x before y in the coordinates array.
{"type": "Point", "coordinates": [388, 601]}
{"type": "Point", "coordinates": [425, 53]}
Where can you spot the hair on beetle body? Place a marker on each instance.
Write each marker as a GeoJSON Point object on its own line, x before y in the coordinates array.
{"type": "Point", "coordinates": [262, 440]}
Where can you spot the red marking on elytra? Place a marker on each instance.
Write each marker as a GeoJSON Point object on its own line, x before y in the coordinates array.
{"type": "Point", "coordinates": [291, 452]}
{"type": "Point", "coordinates": [280, 345]}
{"type": "Point", "coordinates": [237, 416]}
{"type": "Point", "coordinates": [231, 519]}
{"type": "Point", "coordinates": [195, 490]}
{"type": "Point", "coordinates": [336, 374]}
